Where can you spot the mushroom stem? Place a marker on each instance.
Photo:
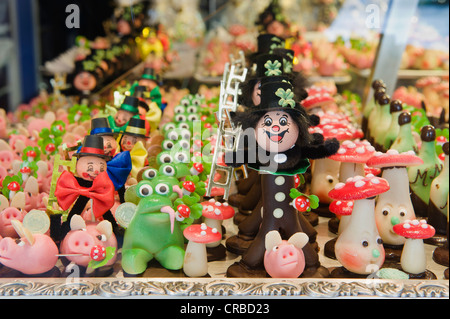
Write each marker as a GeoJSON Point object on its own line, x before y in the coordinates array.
{"type": "Point", "coordinates": [414, 259]}
{"type": "Point", "coordinates": [195, 260]}
{"type": "Point", "coordinates": [363, 213]}
{"type": "Point", "coordinates": [348, 170]}
{"type": "Point", "coordinates": [217, 224]}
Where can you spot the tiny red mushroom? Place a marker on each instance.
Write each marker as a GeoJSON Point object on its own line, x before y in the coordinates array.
{"type": "Point", "coordinates": [319, 99]}
{"type": "Point", "coordinates": [50, 147]}
{"type": "Point", "coordinates": [196, 259]}
{"type": "Point", "coordinates": [13, 188]}
{"type": "Point", "coordinates": [214, 213]}
{"type": "Point", "coordinates": [31, 155]}
{"type": "Point", "coordinates": [414, 259]}
{"type": "Point", "coordinates": [26, 171]}
{"type": "Point", "coordinates": [98, 252]}
{"type": "Point", "coordinates": [302, 204]}
{"type": "Point", "coordinates": [196, 168]}
{"type": "Point", "coordinates": [183, 211]}
{"type": "Point", "coordinates": [188, 187]}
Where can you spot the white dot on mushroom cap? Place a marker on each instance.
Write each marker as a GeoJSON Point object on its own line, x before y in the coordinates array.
{"type": "Point", "coordinates": [218, 203]}
{"type": "Point", "coordinates": [360, 184]}
{"type": "Point", "coordinates": [369, 176]}
{"type": "Point", "coordinates": [203, 233]}
{"type": "Point", "coordinates": [225, 204]}
{"type": "Point", "coordinates": [351, 145]}
{"type": "Point", "coordinates": [217, 211]}
{"type": "Point", "coordinates": [339, 185]}
{"type": "Point", "coordinates": [392, 152]}
{"type": "Point", "coordinates": [341, 150]}
{"type": "Point", "coordinates": [203, 226]}
{"type": "Point", "coordinates": [424, 226]}
{"type": "Point", "coordinates": [406, 225]}
{"type": "Point", "coordinates": [370, 148]}
{"type": "Point", "coordinates": [210, 208]}
{"type": "Point", "coordinates": [360, 150]}
{"type": "Point", "coordinates": [338, 202]}
{"type": "Point", "coordinates": [423, 221]}
{"type": "Point", "coordinates": [350, 204]}
{"type": "Point", "coordinates": [212, 200]}
{"type": "Point", "coordinates": [410, 153]}
{"type": "Point", "coordinates": [378, 154]}
{"type": "Point", "coordinates": [214, 230]}
{"type": "Point", "coordinates": [415, 222]}
{"type": "Point", "coordinates": [375, 181]}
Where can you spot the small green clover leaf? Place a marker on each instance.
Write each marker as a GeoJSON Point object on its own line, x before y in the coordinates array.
{"type": "Point", "coordinates": [79, 113]}
{"type": "Point", "coordinates": [110, 252]}
{"type": "Point", "coordinates": [287, 66]}
{"type": "Point", "coordinates": [273, 68]}
{"type": "Point", "coordinates": [286, 97]}
{"type": "Point", "coordinates": [313, 199]}
{"type": "Point", "coordinates": [89, 65]}
{"type": "Point", "coordinates": [7, 181]}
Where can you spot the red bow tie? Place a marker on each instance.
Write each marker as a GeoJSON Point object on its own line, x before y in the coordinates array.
{"type": "Point", "coordinates": [101, 192]}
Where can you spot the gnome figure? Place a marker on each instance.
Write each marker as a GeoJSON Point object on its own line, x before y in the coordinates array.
{"type": "Point", "coordinates": [127, 110]}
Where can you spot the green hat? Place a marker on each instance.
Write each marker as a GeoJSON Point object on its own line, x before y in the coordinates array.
{"type": "Point", "coordinates": [149, 74]}
{"type": "Point", "coordinates": [130, 104]}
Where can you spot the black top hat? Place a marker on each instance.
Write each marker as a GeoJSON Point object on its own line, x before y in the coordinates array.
{"type": "Point", "coordinates": [139, 92]}
{"type": "Point", "coordinates": [278, 96]}
{"type": "Point", "coordinates": [136, 127]}
{"type": "Point", "coordinates": [269, 65]}
{"type": "Point", "coordinates": [92, 146]}
{"type": "Point", "coordinates": [267, 42]}
{"type": "Point", "coordinates": [100, 127]}
{"type": "Point", "coordinates": [288, 58]}
{"type": "Point", "coordinates": [149, 74]}
{"type": "Point", "coordinates": [130, 104]}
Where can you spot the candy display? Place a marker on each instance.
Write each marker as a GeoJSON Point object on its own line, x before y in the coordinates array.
{"type": "Point", "coordinates": [275, 171]}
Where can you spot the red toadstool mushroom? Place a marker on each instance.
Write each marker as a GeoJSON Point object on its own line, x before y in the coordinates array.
{"type": "Point", "coordinates": [414, 259]}
{"type": "Point", "coordinates": [214, 213]}
{"type": "Point", "coordinates": [195, 260]}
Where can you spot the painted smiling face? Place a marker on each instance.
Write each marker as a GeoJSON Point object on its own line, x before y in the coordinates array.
{"type": "Point", "coordinates": [109, 145]}
{"type": "Point", "coordinates": [128, 141]}
{"type": "Point", "coordinates": [85, 81]}
{"type": "Point", "coordinates": [276, 131]}
{"type": "Point", "coordinates": [122, 117]}
{"type": "Point", "coordinates": [88, 167]}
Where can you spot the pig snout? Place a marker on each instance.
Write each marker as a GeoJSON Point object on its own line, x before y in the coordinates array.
{"type": "Point", "coordinates": [6, 216]}
{"type": "Point", "coordinates": [80, 242]}
{"type": "Point", "coordinates": [285, 262]}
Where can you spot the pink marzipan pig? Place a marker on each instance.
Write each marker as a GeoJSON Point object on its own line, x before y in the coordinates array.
{"type": "Point", "coordinates": [83, 236]}
{"type": "Point", "coordinates": [284, 258]}
{"type": "Point", "coordinates": [9, 212]}
{"type": "Point", "coordinates": [33, 254]}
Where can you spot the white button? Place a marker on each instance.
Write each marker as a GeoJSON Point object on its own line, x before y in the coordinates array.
{"type": "Point", "coordinates": [279, 197]}
{"type": "Point", "coordinates": [278, 213]}
{"type": "Point", "coordinates": [280, 180]}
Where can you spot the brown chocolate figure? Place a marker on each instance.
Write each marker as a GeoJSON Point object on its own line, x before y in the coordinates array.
{"type": "Point", "coordinates": [277, 143]}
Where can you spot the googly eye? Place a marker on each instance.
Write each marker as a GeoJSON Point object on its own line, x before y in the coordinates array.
{"type": "Point", "coordinates": [185, 145]}
{"type": "Point", "coordinates": [184, 102]}
{"type": "Point", "coordinates": [191, 109]}
{"type": "Point", "coordinates": [180, 118]}
{"type": "Point", "coordinates": [173, 136]}
{"type": "Point", "coordinates": [193, 117]}
{"type": "Point", "coordinates": [169, 171]}
{"type": "Point", "coordinates": [196, 102]}
{"type": "Point", "coordinates": [181, 157]}
{"type": "Point", "coordinates": [179, 109]}
{"type": "Point", "coordinates": [379, 241]}
{"type": "Point", "coordinates": [169, 126]}
{"type": "Point", "coordinates": [365, 243]}
{"type": "Point", "coordinates": [402, 212]}
{"type": "Point", "coordinates": [145, 190]}
{"type": "Point", "coordinates": [386, 211]}
{"type": "Point", "coordinates": [183, 126]}
{"type": "Point", "coordinates": [166, 158]}
{"type": "Point", "coordinates": [102, 237]}
{"type": "Point", "coordinates": [185, 134]}
{"type": "Point", "coordinates": [167, 145]}
{"type": "Point", "coordinates": [275, 248]}
{"type": "Point", "coordinates": [150, 173]}
{"type": "Point", "coordinates": [162, 189]}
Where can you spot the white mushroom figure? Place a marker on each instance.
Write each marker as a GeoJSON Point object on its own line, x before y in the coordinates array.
{"type": "Point", "coordinates": [414, 259]}
{"type": "Point", "coordinates": [359, 247]}
{"type": "Point", "coordinates": [394, 206]}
